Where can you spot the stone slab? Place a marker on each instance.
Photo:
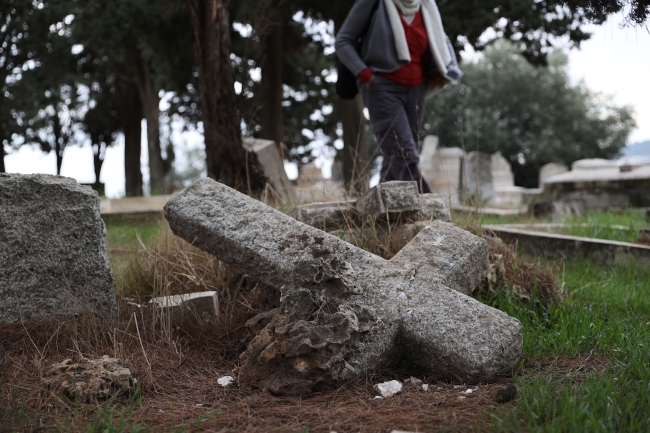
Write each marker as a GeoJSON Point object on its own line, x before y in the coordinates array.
{"type": "Point", "coordinates": [477, 180]}
{"type": "Point", "coordinates": [326, 216]}
{"type": "Point", "coordinates": [556, 246]}
{"type": "Point", "coordinates": [189, 304]}
{"type": "Point", "coordinates": [344, 311]}
{"type": "Point", "coordinates": [53, 256]}
{"type": "Point", "coordinates": [390, 200]}
{"type": "Point", "coordinates": [272, 165]}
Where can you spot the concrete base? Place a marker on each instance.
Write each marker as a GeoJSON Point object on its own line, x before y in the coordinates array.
{"type": "Point", "coordinates": [557, 246]}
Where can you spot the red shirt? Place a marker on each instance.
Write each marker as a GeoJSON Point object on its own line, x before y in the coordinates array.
{"type": "Point", "coordinates": [412, 74]}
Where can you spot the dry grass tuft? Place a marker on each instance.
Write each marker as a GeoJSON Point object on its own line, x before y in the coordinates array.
{"type": "Point", "coordinates": [508, 272]}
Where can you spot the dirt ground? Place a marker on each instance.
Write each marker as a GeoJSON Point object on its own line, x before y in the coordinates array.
{"type": "Point", "coordinates": [179, 389]}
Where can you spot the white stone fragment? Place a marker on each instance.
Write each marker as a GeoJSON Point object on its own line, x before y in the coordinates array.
{"type": "Point", "coordinates": [225, 381]}
{"type": "Point", "coordinates": [390, 388]}
{"type": "Point", "coordinates": [469, 391]}
{"type": "Point", "coordinates": [425, 387]}
{"type": "Point", "coordinates": [413, 380]}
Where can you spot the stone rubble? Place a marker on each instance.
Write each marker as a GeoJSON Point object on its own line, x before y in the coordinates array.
{"type": "Point", "coordinates": [53, 253]}
{"type": "Point", "coordinates": [89, 380]}
{"type": "Point", "coordinates": [345, 311]}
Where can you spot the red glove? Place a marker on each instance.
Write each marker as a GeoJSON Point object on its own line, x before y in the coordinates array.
{"type": "Point", "coordinates": [366, 76]}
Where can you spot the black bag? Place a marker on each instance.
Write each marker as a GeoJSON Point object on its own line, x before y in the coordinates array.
{"type": "Point", "coordinates": [346, 83]}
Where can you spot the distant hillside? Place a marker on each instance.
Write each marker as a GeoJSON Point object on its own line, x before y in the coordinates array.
{"type": "Point", "coordinates": [637, 149]}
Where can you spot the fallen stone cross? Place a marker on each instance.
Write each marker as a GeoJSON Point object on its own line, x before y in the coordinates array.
{"type": "Point", "coordinates": [344, 310]}
{"type": "Point", "coordinates": [53, 257]}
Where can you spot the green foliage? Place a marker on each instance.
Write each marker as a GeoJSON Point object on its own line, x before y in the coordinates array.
{"type": "Point", "coordinates": [532, 115]}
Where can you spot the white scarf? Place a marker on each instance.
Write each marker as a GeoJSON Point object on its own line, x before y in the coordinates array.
{"type": "Point", "coordinates": [408, 7]}
{"type": "Point", "coordinates": [432, 23]}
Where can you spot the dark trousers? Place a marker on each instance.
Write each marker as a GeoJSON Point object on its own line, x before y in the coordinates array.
{"type": "Point", "coordinates": [396, 113]}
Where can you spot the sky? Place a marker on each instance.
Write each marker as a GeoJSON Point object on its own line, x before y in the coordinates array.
{"type": "Point", "coordinates": [614, 62]}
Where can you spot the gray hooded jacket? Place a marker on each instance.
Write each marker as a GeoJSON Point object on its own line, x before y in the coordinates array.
{"type": "Point", "coordinates": [378, 50]}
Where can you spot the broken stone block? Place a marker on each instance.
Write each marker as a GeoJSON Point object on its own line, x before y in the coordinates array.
{"type": "Point", "coordinates": [53, 256]}
{"type": "Point", "coordinates": [326, 216]}
{"type": "Point", "coordinates": [90, 380]}
{"type": "Point", "coordinates": [271, 164]}
{"type": "Point", "coordinates": [344, 311]}
{"type": "Point", "coordinates": [434, 208]}
{"type": "Point", "coordinates": [390, 200]}
{"type": "Point", "coordinates": [188, 305]}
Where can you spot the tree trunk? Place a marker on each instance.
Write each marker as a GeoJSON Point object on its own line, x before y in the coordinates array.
{"type": "Point", "coordinates": [354, 152]}
{"type": "Point", "coordinates": [98, 160]}
{"type": "Point", "coordinates": [132, 128]}
{"type": "Point", "coordinates": [226, 159]}
{"type": "Point", "coordinates": [271, 113]}
{"type": "Point", "coordinates": [58, 143]}
{"type": "Point", "coordinates": [2, 158]}
{"type": "Point", "coordinates": [151, 112]}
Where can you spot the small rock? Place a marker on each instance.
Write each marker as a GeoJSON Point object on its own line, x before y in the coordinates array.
{"type": "Point", "coordinates": [469, 391]}
{"type": "Point", "coordinates": [425, 387]}
{"type": "Point", "coordinates": [378, 397]}
{"type": "Point", "coordinates": [460, 397]}
{"type": "Point", "coordinates": [89, 380]}
{"type": "Point", "coordinates": [225, 381]}
{"type": "Point", "coordinates": [390, 388]}
{"type": "Point", "coordinates": [459, 386]}
{"type": "Point", "coordinates": [507, 393]}
{"type": "Point", "coordinates": [413, 380]}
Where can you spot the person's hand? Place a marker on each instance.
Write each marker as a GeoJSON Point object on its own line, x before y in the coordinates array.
{"type": "Point", "coordinates": [439, 81]}
{"type": "Point", "coordinates": [367, 83]}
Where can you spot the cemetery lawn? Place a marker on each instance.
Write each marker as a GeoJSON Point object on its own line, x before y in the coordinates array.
{"type": "Point", "coordinates": [585, 368]}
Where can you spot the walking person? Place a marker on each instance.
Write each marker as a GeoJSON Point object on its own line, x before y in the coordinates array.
{"type": "Point", "coordinates": [399, 53]}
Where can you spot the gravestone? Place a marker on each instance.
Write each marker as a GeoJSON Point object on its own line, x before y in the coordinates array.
{"type": "Point", "coordinates": [271, 164]}
{"type": "Point", "coordinates": [53, 257]}
{"type": "Point", "coordinates": [442, 168]}
{"type": "Point", "coordinates": [503, 181]}
{"type": "Point", "coordinates": [477, 178]}
{"type": "Point", "coordinates": [345, 311]}
{"type": "Point", "coordinates": [549, 170]}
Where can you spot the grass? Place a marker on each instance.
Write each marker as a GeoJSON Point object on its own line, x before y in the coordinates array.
{"type": "Point", "coordinates": [585, 365]}
{"type": "Point", "coordinates": [623, 227]}
{"type": "Point", "coordinates": [607, 318]}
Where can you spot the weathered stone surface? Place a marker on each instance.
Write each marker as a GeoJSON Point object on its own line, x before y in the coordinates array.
{"type": "Point", "coordinates": [271, 163]}
{"type": "Point", "coordinates": [442, 168]}
{"type": "Point", "coordinates": [326, 216]}
{"type": "Point", "coordinates": [343, 310]}
{"type": "Point", "coordinates": [390, 200]}
{"type": "Point", "coordinates": [434, 208]}
{"type": "Point", "coordinates": [478, 181]}
{"type": "Point", "coordinates": [188, 305]}
{"type": "Point", "coordinates": [89, 380]}
{"type": "Point", "coordinates": [53, 257]}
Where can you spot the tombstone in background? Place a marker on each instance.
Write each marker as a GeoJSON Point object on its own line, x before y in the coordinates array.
{"type": "Point", "coordinates": [309, 174]}
{"type": "Point", "coordinates": [549, 170]}
{"type": "Point", "coordinates": [505, 191]}
{"type": "Point", "coordinates": [313, 187]}
{"type": "Point", "coordinates": [272, 165]}
{"type": "Point", "coordinates": [477, 177]}
{"type": "Point", "coordinates": [442, 168]}
{"type": "Point", "coordinates": [602, 184]}
{"type": "Point", "coordinates": [53, 256]}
